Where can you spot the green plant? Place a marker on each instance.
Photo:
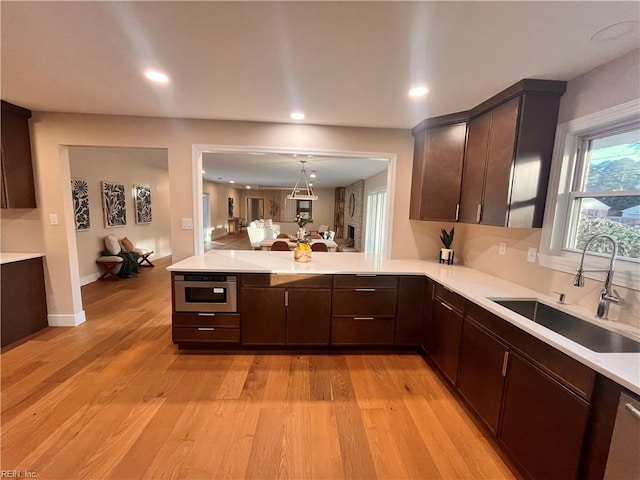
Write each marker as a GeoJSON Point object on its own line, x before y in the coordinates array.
{"type": "Point", "coordinates": [447, 237]}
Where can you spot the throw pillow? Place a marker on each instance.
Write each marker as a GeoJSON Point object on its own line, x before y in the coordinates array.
{"type": "Point", "coordinates": [112, 245]}
{"type": "Point", "coordinates": [126, 244]}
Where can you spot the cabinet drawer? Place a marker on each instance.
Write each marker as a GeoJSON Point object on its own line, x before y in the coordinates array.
{"type": "Point", "coordinates": [205, 335]}
{"type": "Point", "coordinates": [289, 281]}
{"type": "Point", "coordinates": [365, 301]}
{"type": "Point", "coordinates": [207, 320]}
{"type": "Point", "coordinates": [577, 376]}
{"type": "Point", "coordinates": [371, 281]}
{"type": "Point", "coordinates": [362, 330]}
{"type": "Point", "coordinates": [453, 299]}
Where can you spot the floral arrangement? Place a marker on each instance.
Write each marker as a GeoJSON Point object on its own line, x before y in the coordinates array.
{"type": "Point", "coordinates": [302, 221]}
{"type": "Point", "coordinates": [302, 252]}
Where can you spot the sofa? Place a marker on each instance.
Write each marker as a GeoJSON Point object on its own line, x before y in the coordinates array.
{"type": "Point", "coordinates": [259, 230]}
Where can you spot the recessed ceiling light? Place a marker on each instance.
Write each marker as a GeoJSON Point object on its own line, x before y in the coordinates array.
{"type": "Point", "coordinates": [248, 187]}
{"type": "Point", "coordinates": [312, 174]}
{"type": "Point", "coordinates": [297, 116]}
{"type": "Point", "coordinates": [232, 181]}
{"type": "Point", "coordinates": [420, 91]}
{"type": "Point", "coordinates": [156, 76]}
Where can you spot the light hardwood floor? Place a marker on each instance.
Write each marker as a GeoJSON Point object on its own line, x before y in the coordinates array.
{"type": "Point", "coordinates": [113, 398]}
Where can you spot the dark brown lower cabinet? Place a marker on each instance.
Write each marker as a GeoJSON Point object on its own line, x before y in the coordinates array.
{"type": "Point", "coordinates": [24, 302]}
{"type": "Point", "coordinates": [446, 330]}
{"type": "Point", "coordinates": [408, 318]}
{"type": "Point", "coordinates": [426, 328]}
{"type": "Point", "coordinates": [285, 316]}
{"type": "Point", "coordinates": [308, 316]}
{"type": "Point", "coordinates": [543, 423]}
{"type": "Point", "coordinates": [481, 373]}
{"type": "Point", "coordinates": [264, 320]}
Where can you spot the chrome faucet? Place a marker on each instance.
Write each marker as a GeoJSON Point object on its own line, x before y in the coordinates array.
{"type": "Point", "coordinates": [606, 294]}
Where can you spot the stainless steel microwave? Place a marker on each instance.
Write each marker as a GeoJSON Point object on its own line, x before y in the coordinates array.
{"type": "Point", "coordinates": [204, 292]}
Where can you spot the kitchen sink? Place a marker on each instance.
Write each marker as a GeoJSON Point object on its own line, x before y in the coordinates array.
{"type": "Point", "coordinates": [586, 334]}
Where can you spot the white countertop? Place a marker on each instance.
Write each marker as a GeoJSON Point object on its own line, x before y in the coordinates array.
{"type": "Point", "coordinates": [476, 286]}
{"type": "Point", "coordinates": [10, 257]}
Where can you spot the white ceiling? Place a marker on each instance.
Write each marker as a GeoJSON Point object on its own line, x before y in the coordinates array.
{"type": "Point", "coordinates": [283, 169]}
{"type": "Point", "coordinates": [342, 63]}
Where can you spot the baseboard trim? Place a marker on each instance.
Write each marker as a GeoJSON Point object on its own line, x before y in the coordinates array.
{"type": "Point", "coordinates": [89, 279]}
{"type": "Point", "coordinates": [70, 320]}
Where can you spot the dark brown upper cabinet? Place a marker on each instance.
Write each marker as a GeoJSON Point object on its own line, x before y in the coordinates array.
{"type": "Point", "coordinates": [507, 158]}
{"type": "Point", "coordinates": [16, 172]}
{"type": "Point", "coordinates": [437, 169]}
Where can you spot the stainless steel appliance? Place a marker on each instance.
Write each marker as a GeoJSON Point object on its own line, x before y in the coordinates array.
{"type": "Point", "coordinates": [624, 454]}
{"type": "Point", "coordinates": [205, 292]}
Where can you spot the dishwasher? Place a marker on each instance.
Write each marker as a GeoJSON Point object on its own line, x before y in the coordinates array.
{"type": "Point", "coordinates": [623, 462]}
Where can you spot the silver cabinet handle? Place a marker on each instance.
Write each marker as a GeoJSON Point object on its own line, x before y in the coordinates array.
{"type": "Point", "coordinates": [202, 314]}
{"type": "Point", "coordinates": [286, 298]}
{"type": "Point", "coordinates": [457, 211]}
{"type": "Point", "coordinates": [363, 318]}
{"type": "Point", "coordinates": [505, 362]}
{"type": "Point", "coordinates": [478, 213]}
{"type": "Point", "coordinates": [365, 289]}
{"type": "Point", "coordinates": [206, 329]}
{"type": "Point", "coordinates": [632, 410]}
{"type": "Point", "coordinates": [365, 274]}
{"type": "Point", "coordinates": [446, 306]}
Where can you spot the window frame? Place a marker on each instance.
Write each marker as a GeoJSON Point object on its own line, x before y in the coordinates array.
{"type": "Point", "coordinates": [559, 196]}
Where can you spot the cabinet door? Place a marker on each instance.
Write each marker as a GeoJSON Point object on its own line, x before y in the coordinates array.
{"type": "Point", "coordinates": [447, 332]}
{"type": "Point", "coordinates": [417, 174]}
{"type": "Point", "coordinates": [500, 157]}
{"type": "Point", "coordinates": [543, 423]}
{"type": "Point", "coordinates": [308, 316]}
{"type": "Point", "coordinates": [480, 375]}
{"type": "Point", "coordinates": [442, 172]}
{"type": "Point", "coordinates": [18, 189]}
{"type": "Point", "coordinates": [409, 316]}
{"type": "Point", "coordinates": [474, 166]}
{"type": "Point", "coordinates": [263, 316]}
{"type": "Point", "coordinates": [23, 300]}
{"type": "Point", "coordinates": [426, 328]}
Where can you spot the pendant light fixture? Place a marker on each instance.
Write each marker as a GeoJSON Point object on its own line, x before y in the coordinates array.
{"type": "Point", "coordinates": [302, 194]}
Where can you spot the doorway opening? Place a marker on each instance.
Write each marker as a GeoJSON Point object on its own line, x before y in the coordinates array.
{"type": "Point", "coordinates": [269, 174]}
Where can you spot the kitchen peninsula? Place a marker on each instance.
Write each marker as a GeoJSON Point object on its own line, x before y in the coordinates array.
{"type": "Point", "coordinates": [550, 402]}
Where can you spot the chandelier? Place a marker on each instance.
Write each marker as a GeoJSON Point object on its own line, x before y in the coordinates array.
{"type": "Point", "coordinates": [298, 193]}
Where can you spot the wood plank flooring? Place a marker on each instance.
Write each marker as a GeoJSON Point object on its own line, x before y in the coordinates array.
{"type": "Point", "coordinates": [114, 399]}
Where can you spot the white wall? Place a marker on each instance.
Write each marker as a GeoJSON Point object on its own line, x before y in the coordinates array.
{"type": "Point", "coordinates": [127, 166]}
{"type": "Point", "coordinates": [53, 132]}
{"type": "Point", "coordinates": [608, 85]}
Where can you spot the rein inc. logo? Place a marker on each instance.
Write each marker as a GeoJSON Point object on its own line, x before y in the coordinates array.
{"type": "Point", "coordinates": [17, 474]}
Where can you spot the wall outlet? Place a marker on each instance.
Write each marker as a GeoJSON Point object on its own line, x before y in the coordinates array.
{"type": "Point", "coordinates": [187, 223]}
{"type": "Point", "coordinates": [53, 218]}
{"type": "Point", "coordinates": [532, 254]}
{"type": "Point", "coordinates": [503, 248]}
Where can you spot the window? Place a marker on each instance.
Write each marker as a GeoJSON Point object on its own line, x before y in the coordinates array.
{"type": "Point", "coordinates": [594, 188]}
{"type": "Point", "coordinates": [605, 198]}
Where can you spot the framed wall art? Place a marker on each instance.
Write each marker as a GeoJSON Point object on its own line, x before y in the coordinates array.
{"type": "Point", "coordinates": [142, 201]}
{"type": "Point", "coordinates": [80, 196]}
{"type": "Point", "coordinates": [113, 204]}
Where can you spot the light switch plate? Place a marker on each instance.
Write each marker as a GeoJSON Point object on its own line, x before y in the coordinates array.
{"type": "Point", "coordinates": [531, 255]}
{"type": "Point", "coordinates": [53, 218]}
{"type": "Point", "coordinates": [187, 223]}
{"type": "Point", "coordinates": [503, 248]}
